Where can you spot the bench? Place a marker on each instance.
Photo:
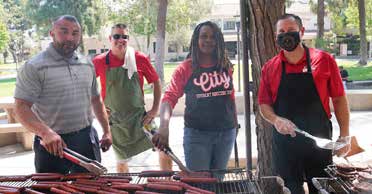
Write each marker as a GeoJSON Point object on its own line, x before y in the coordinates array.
{"type": "Point", "coordinates": [23, 135]}
{"type": "Point", "coordinates": [12, 128]}
{"type": "Point", "coordinates": [3, 116]}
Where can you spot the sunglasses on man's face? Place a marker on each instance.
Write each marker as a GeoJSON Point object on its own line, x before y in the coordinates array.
{"type": "Point", "coordinates": [118, 36]}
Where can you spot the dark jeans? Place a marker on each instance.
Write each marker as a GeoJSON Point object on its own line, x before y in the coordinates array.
{"type": "Point", "coordinates": [84, 141]}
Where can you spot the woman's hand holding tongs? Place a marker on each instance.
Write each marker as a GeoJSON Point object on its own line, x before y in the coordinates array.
{"type": "Point", "coordinates": [53, 143]}
{"type": "Point", "coordinates": [160, 138]}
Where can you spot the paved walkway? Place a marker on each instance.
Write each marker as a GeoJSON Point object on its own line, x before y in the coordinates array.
{"type": "Point", "coordinates": [13, 160]}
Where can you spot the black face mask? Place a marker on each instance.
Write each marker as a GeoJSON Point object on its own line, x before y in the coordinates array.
{"type": "Point", "coordinates": [288, 41]}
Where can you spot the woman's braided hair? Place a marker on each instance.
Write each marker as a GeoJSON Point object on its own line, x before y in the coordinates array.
{"type": "Point", "coordinates": [219, 53]}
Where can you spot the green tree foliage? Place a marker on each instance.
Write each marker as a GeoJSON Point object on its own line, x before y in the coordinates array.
{"type": "Point", "coordinates": [90, 13]}
{"type": "Point", "coordinates": [17, 23]}
{"type": "Point", "coordinates": [141, 15]}
{"type": "Point", "coordinates": [352, 16]}
{"type": "Point", "coordinates": [4, 35]}
{"type": "Point", "coordinates": [336, 10]}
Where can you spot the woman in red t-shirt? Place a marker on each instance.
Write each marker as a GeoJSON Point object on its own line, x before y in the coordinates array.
{"type": "Point", "coordinates": [210, 113]}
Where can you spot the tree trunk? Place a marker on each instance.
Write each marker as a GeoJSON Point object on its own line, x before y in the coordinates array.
{"type": "Point", "coordinates": [137, 43]}
{"type": "Point", "coordinates": [362, 32]}
{"type": "Point", "coordinates": [148, 45]}
{"type": "Point", "coordinates": [262, 17]}
{"type": "Point", "coordinates": [160, 38]}
{"type": "Point", "coordinates": [320, 21]}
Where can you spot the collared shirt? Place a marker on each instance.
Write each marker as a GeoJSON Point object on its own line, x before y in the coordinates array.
{"type": "Point", "coordinates": [144, 68]}
{"type": "Point", "coordinates": [59, 88]}
{"type": "Point", "coordinates": [324, 70]}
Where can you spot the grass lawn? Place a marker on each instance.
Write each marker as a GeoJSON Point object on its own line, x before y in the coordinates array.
{"type": "Point", "coordinates": [7, 87]}
{"type": "Point", "coordinates": [355, 73]}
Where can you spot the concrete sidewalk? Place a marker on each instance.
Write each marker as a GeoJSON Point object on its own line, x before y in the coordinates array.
{"type": "Point", "coordinates": [13, 160]}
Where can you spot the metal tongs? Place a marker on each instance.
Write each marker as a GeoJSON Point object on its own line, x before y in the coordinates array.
{"type": "Point", "coordinates": [167, 150]}
{"type": "Point", "coordinates": [92, 166]}
{"type": "Point", "coordinates": [322, 142]}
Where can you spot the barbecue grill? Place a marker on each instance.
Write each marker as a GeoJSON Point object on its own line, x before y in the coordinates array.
{"type": "Point", "coordinates": [334, 183]}
{"type": "Point", "coordinates": [230, 181]}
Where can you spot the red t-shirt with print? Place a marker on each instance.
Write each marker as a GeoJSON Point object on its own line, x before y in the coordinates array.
{"type": "Point", "coordinates": [180, 77]}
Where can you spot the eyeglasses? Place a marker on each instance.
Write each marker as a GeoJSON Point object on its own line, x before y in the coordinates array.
{"type": "Point", "coordinates": [118, 36]}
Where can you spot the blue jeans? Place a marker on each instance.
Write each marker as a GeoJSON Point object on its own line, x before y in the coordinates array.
{"type": "Point", "coordinates": [205, 150]}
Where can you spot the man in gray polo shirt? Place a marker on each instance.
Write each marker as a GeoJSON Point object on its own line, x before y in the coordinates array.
{"type": "Point", "coordinates": [55, 93]}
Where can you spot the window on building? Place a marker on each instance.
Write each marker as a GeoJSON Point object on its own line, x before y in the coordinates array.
{"type": "Point", "coordinates": [229, 25]}
{"type": "Point", "coordinates": [92, 51]}
{"type": "Point", "coordinates": [172, 47]}
{"type": "Point", "coordinates": [103, 50]}
{"type": "Point", "coordinates": [154, 47]}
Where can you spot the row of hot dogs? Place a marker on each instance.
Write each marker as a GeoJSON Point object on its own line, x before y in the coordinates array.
{"type": "Point", "coordinates": [156, 182]}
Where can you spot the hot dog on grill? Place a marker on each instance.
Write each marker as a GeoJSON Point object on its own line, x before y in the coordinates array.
{"type": "Point", "coordinates": [9, 191]}
{"type": "Point", "coordinates": [46, 178]}
{"type": "Point", "coordinates": [112, 190]}
{"type": "Point", "coordinates": [58, 191]}
{"type": "Point", "coordinates": [13, 178]}
{"type": "Point", "coordinates": [128, 187]}
{"type": "Point", "coordinates": [146, 192]}
{"type": "Point", "coordinates": [198, 180]}
{"type": "Point", "coordinates": [31, 191]}
{"type": "Point", "coordinates": [163, 188]}
{"type": "Point", "coordinates": [156, 173]}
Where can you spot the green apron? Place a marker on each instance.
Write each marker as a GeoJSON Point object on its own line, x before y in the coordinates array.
{"type": "Point", "coordinates": [125, 99]}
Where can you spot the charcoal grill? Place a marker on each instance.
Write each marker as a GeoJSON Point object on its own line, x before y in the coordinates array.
{"type": "Point", "coordinates": [27, 183]}
{"type": "Point", "coordinates": [334, 183]}
{"type": "Point", "coordinates": [230, 181]}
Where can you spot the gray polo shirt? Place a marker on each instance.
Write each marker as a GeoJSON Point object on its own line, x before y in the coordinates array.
{"type": "Point", "coordinates": [59, 88]}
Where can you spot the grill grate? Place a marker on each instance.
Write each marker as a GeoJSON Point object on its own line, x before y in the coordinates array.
{"type": "Point", "coordinates": [26, 183]}
{"type": "Point", "coordinates": [231, 181]}
{"type": "Point", "coordinates": [334, 184]}
{"type": "Point", "coordinates": [331, 170]}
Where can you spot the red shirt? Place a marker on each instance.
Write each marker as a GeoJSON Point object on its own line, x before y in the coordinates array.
{"type": "Point", "coordinates": [324, 70]}
{"type": "Point", "coordinates": [180, 77]}
{"type": "Point", "coordinates": [144, 68]}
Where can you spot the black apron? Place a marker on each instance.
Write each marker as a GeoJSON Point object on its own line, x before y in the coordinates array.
{"type": "Point", "coordinates": [299, 157]}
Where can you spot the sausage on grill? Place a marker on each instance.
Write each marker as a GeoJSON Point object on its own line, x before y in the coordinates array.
{"type": "Point", "coordinates": [31, 191]}
{"type": "Point", "coordinates": [156, 173]}
{"type": "Point", "coordinates": [198, 180]}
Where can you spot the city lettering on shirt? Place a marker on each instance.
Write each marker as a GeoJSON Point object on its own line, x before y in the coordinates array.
{"type": "Point", "coordinates": [208, 81]}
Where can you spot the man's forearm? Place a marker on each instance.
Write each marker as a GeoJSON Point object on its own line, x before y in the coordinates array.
{"type": "Point", "coordinates": [100, 112]}
{"type": "Point", "coordinates": [268, 113]}
{"type": "Point", "coordinates": [342, 112]}
{"type": "Point", "coordinates": [28, 118]}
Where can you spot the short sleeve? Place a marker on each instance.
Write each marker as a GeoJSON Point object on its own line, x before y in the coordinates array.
{"type": "Point", "coordinates": [148, 70]}
{"type": "Point", "coordinates": [28, 83]}
{"type": "Point", "coordinates": [335, 85]}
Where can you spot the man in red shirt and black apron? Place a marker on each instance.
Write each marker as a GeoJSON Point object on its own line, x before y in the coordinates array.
{"type": "Point", "coordinates": [294, 92]}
